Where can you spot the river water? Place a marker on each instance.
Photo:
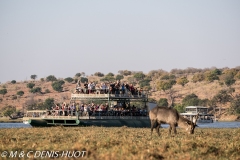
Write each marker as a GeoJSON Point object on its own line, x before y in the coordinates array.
{"type": "Point", "coordinates": [201, 125]}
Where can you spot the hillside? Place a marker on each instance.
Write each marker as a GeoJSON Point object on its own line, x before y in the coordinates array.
{"type": "Point", "coordinates": [204, 90]}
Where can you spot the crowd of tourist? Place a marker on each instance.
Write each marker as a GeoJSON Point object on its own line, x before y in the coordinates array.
{"type": "Point", "coordinates": [104, 88]}
{"type": "Point", "coordinates": [92, 109]}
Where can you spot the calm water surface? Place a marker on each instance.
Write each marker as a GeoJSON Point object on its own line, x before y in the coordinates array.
{"type": "Point", "coordinates": [201, 125]}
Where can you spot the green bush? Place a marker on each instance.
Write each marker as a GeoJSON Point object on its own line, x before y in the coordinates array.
{"type": "Point", "coordinates": [30, 85]}
{"type": "Point", "coordinates": [99, 74]}
{"type": "Point", "coordinates": [13, 81]}
{"type": "Point", "coordinates": [139, 76]}
{"type": "Point", "coordinates": [119, 77]}
{"type": "Point", "coordinates": [191, 100]}
{"type": "Point", "coordinates": [47, 91]}
{"type": "Point", "coordinates": [83, 79]}
{"type": "Point", "coordinates": [144, 83]}
{"type": "Point", "coordinates": [3, 91]}
{"type": "Point", "coordinates": [33, 76]}
{"type": "Point", "coordinates": [20, 93]}
{"type": "Point", "coordinates": [57, 86]}
{"type": "Point", "coordinates": [68, 79]}
{"type": "Point", "coordinates": [78, 75]}
{"type": "Point", "coordinates": [36, 90]}
{"type": "Point", "coordinates": [51, 78]}
{"type": "Point", "coordinates": [110, 74]}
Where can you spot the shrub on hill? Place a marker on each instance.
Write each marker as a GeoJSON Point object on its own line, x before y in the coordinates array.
{"type": "Point", "coordinates": [125, 72]}
{"type": "Point", "coordinates": [68, 79]}
{"type": "Point", "coordinates": [83, 79]}
{"type": "Point", "coordinates": [3, 91]}
{"type": "Point", "coordinates": [235, 104]}
{"type": "Point", "coordinates": [190, 100]}
{"type": "Point", "coordinates": [99, 74]}
{"type": "Point", "coordinates": [108, 78]}
{"type": "Point", "coordinates": [36, 90]}
{"type": "Point", "coordinates": [78, 75]}
{"type": "Point", "coordinates": [119, 77]}
{"type": "Point", "coordinates": [211, 76]}
{"type": "Point", "coordinates": [30, 85]}
{"type": "Point", "coordinates": [57, 86]}
{"type": "Point", "coordinates": [198, 77]}
{"type": "Point", "coordinates": [110, 74]}
{"type": "Point", "coordinates": [182, 81]}
{"type": "Point", "coordinates": [144, 83]}
{"type": "Point", "coordinates": [139, 76]}
{"type": "Point", "coordinates": [165, 84]}
{"type": "Point", "coordinates": [33, 76]}
{"type": "Point", "coordinates": [20, 93]}
{"type": "Point", "coordinates": [51, 78]}
{"type": "Point", "coordinates": [13, 81]}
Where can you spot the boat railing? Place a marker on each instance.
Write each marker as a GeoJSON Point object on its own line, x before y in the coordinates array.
{"type": "Point", "coordinates": [99, 93]}
{"type": "Point", "coordinates": [71, 114]}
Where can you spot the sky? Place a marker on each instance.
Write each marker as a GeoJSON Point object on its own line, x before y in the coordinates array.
{"type": "Point", "coordinates": [65, 37]}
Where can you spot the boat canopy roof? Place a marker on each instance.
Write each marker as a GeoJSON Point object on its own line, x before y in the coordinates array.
{"type": "Point", "coordinates": [196, 107]}
{"type": "Point", "coordinates": [38, 111]}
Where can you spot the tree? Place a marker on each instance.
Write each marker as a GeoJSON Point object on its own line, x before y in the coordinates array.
{"type": "Point", "coordinates": [217, 71]}
{"type": "Point", "coordinates": [180, 108]}
{"type": "Point", "coordinates": [125, 72]}
{"type": "Point", "coordinates": [237, 76]}
{"type": "Point", "coordinates": [182, 81]}
{"type": "Point", "coordinates": [57, 86]}
{"type": "Point", "coordinates": [229, 79]}
{"type": "Point", "coordinates": [119, 77]}
{"type": "Point", "coordinates": [222, 97]}
{"type": "Point", "coordinates": [139, 76]}
{"type": "Point", "coordinates": [51, 78]}
{"type": "Point", "coordinates": [99, 74]}
{"type": "Point", "coordinates": [13, 81]}
{"type": "Point", "coordinates": [34, 76]}
{"type": "Point", "coordinates": [235, 104]}
{"type": "Point", "coordinates": [3, 91]}
{"type": "Point", "coordinates": [30, 85]}
{"type": "Point", "coordinates": [68, 79]}
{"type": "Point", "coordinates": [108, 78]}
{"type": "Point", "coordinates": [168, 77]}
{"type": "Point", "coordinates": [211, 76]}
{"type": "Point", "coordinates": [20, 93]}
{"type": "Point", "coordinates": [110, 74]}
{"type": "Point", "coordinates": [83, 79]}
{"type": "Point", "coordinates": [78, 75]}
{"type": "Point", "coordinates": [163, 102]}
{"type": "Point", "coordinates": [9, 110]}
{"type": "Point", "coordinates": [165, 84]}
{"type": "Point", "coordinates": [144, 83]}
{"type": "Point", "coordinates": [191, 100]}
{"type": "Point", "coordinates": [36, 90]}
{"type": "Point", "coordinates": [198, 77]}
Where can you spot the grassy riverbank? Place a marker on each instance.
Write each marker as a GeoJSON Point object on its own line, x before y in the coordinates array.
{"type": "Point", "coordinates": [125, 143]}
{"type": "Point", "coordinates": [8, 120]}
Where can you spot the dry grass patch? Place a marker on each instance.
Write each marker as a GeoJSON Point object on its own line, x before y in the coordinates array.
{"type": "Point", "coordinates": [125, 143]}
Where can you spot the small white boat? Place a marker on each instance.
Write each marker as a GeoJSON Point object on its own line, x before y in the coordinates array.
{"type": "Point", "coordinates": [192, 111]}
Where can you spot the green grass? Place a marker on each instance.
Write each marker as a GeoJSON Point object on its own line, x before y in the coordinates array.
{"type": "Point", "coordinates": [125, 143]}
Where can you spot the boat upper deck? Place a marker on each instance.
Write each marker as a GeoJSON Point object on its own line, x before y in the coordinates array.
{"type": "Point", "coordinates": [141, 96]}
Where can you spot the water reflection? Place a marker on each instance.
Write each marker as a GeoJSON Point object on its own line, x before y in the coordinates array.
{"type": "Point", "coordinates": [201, 125]}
